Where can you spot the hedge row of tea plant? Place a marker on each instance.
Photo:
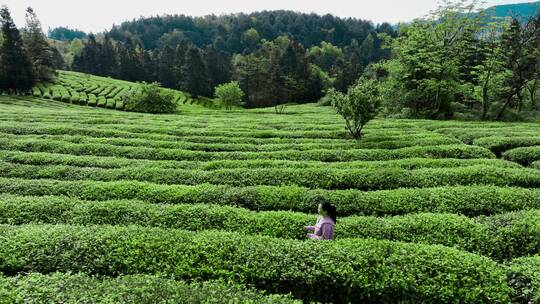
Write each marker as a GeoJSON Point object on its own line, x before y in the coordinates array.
{"type": "Point", "coordinates": [501, 144]}
{"type": "Point", "coordinates": [92, 91]}
{"type": "Point", "coordinates": [364, 270]}
{"type": "Point", "coordinates": [524, 156]}
{"type": "Point", "coordinates": [84, 289]}
{"type": "Point", "coordinates": [230, 147]}
{"type": "Point", "coordinates": [326, 155]}
{"type": "Point", "coordinates": [362, 179]}
{"type": "Point", "coordinates": [469, 135]}
{"type": "Point", "coordinates": [41, 158]}
{"type": "Point", "coordinates": [466, 200]}
{"type": "Point", "coordinates": [484, 235]}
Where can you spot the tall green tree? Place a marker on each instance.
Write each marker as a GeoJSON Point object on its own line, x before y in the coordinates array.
{"type": "Point", "coordinates": [38, 49]}
{"type": "Point", "coordinates": [520, 45]}
{"type": "Point", "coordinates": [15, 67]}
{"type": "Point", "coordinates": [195, 79]}
{"type": "Point", "coordinates": [430, 55]}
{"type": "Point", "coordinates": [489, 72]}
{"type": "Point", "coordinates": [166, 75]}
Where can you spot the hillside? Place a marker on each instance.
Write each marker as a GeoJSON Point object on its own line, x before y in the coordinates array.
{"type": "Point", "coordinates": [94, 91]}
{"type": "Point", "coordinates": [212, 194]}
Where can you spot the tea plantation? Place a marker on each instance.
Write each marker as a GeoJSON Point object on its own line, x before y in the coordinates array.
{"type": "Point", "coordinates": [210, 205]}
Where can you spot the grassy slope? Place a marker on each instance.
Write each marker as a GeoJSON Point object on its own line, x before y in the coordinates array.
{"type": "Point", "coordinates": [73, 145]}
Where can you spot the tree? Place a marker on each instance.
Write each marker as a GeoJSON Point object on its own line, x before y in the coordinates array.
{"type": "Point", "coordinates": [166, 75]}
{"type": "Point", "coordinates": [66, 34]}
{"type": "Point", "coordinates": [430, 56]}
{"type": "Point", "coordinates": [15, 66]}
{"type": "Point", "coordinates": [489, 70]}
{"type": "Point", "coordinates": [38, 49]}
{"type": "Point", "coordinates": [218, 65]}
{"type": "Point", "coordinates": [229, 94]}
{"type": "Point", "coordinates": [251, 73]}
{"type": "Point", "coordinates": [358, 106]}
{"type": "Point", "coordinates": [520, 46]}
{"type": "Point", "coordinates": [195, 79]}
{"type": "Point", "coordinates": [251, 38]}
{"type": "Point", "coordinates": [87, 60]}
{"type": "Point", "coordinates": [149, 98]}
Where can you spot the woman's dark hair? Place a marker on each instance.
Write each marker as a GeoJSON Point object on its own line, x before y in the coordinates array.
{"type": "Point", "coordinates": [330, 209]}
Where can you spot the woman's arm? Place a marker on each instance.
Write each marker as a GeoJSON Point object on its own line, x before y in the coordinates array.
{"type": "Point", "coordinates": [312, 228]}
{"type": "Point", "coordinates": [314, 236]}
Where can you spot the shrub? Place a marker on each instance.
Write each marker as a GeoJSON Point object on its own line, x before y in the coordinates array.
{"type": "Point", "coordinates": [46, 93]}
{"type": "Point", "coordinates": [101, 101]}
{"type": "Point", "coordinates": [524, 277]}
{"type": "Point", "coordinates": [92, 101]}
{"type": "Point", "coordinates": [229, 94]}
{"type": "Point", "coordinates": [403, 272]}
{"type": "Point", "coordinates": [524, 156]}
{"type": "Point", "coordinates": [80, 288]}
{"type": "Point", "coordinates": [150, 98]}
{"type": "Point", "coordinates": [83, 98]}
{"type": "Point", "coordinates": [119, 105]}
{"type": "Point", "coordinates": [56, 95]}
{"type": "Point", "coordinates": [536, 165]}
{"type": "Point", "coordinates": [41, 158]}
{"type": "Point", "coordinates": [111, 103]}
{"type": "Point", "coordinates": [75, 97]}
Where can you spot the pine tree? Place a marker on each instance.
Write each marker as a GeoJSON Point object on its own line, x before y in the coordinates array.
{"type": "Point", "coordinates": [37, 48]}
{"type": "Point", "coordinates": [88, 61]}
{"type": "Point", "coordinates": [218, 66]}
{"type": "Point", "coordinates": [107, 58]}
{"type": "Point", "coordinates": [166, 75]}
{"type": "Point", "coordinates": [195, 79]}
{"type": "Point", "coordinates": [15, 66]}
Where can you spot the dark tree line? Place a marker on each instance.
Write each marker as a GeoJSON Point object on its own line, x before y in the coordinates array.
{"type": "Point", "coordinates": [25, 58]}
{"type": "Point", "coordinates": [236, 33]}
{"type": "Point", "coordinates": [277, 57]}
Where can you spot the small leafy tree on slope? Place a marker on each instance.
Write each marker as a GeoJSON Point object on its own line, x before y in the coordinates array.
{"type": "Point", "coordinates": [358, 106]}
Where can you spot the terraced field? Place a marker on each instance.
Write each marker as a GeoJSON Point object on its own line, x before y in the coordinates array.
{"type": "Point", "coordinates": [93, 91]}
{"type": "Point", "coordinates": [108, 205]}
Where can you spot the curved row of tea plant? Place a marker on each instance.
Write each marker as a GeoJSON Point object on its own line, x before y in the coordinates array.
{"type": "Point", "coordinates": [402, 272]}
{"type": "Point", "coordinates": [80, 288]}
{"type": "Point", "coordinates": [108, 162]}
{"type": "Point", "coordinates": [362, 179]}
{"type": "Point", "coordinates": [501, 144]}
{"type": "Point", "coordinates": [524, 156]}
{"type": "Point", "coordinates": [325, 155]}
{"type": "Point", "coordinates": [466, 200]}
{"type": "Point", "coordinates": [484, 235]}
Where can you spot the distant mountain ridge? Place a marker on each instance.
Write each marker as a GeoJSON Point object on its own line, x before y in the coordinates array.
{"type": "Point", "coordinates": [522, 11]}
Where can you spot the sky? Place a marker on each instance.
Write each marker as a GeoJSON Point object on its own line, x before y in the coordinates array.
{"type": "Point", "coordinates": [99, 15]}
